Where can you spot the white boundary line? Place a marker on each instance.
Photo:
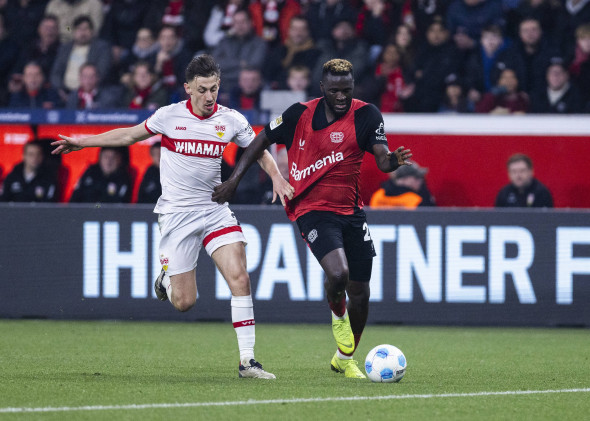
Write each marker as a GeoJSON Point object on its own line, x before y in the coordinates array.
{"type": "Point", "coordinates": [282, 401]}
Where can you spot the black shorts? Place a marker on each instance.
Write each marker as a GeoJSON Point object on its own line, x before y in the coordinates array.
{"type": "Point", "coordinates": [327, 231]}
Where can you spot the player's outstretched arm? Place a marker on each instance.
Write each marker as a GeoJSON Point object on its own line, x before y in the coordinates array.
{"type": "Point", "coordinates": [280, 186]}
{"type": "Point", "coordinates": [118, 137]}
{"type": "Point", "coordinates": [388, 161]}
{"type": "Point", "coordinates": [225, 191]}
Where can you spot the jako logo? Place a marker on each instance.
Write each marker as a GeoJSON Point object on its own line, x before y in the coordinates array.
{"type": "Point", "coordinates": [330, 159]}
{"type": "Point", "coordinates": [180, 128]}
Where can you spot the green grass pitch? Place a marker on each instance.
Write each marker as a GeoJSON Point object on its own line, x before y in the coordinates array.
{"type": "Point", "coordinates": [62, 370]}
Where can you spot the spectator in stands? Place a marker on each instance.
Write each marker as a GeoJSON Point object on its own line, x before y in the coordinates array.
{"type": "Point", "coordinates": [221, 20]}
{"type": "Point", "coordinates": [241, 48]}
{"type": "Point", "coordinates": [323, 15]}
{"type": "Point", "coordinates": [22, 18]}
{"type": "Point", "coordinates": [297, 50]}
{"type": "Point", "coordinates": [466, 19]}
{"type": "Point", "coordinates": [485, 62]}
{"type": "Point", "coordinates": [144, 49]}
{"type": "Point", "coordinates": [30, 181]}
{"type": "Point", "coordinates": [121, 23]}
{"type": "Point", "coordinates": [84, 48]}
{"type": "Point", "coordinates": [8, 55]}
{"type": "Point", "coordinates": [90, 95]}
{"type": "Point", "coordinates": [42, 50]}
{"type": "Point", "coordinates": [535, 52]}
{"type": "Point", "coordinates": [299, 79]}
{"type": "Point", "coordinates": [246, 96]}
{"type": "Point", "coordinates": [455, 100]}
{"type": "Point", "coordinates": [418, 15]}
{"type": "Point", "coordinates": [549, 13]}
{"type": "Point", "coordinates": [33, 91]}
{"type": "Point", "coordinates": [68, 11]}
{"type": "Point", "coordinates": [436, 60]}
{"type": "Point", "coordinates": [375, 22]}
{"type": "Point", "coordinates": [524, 190]}
{"type": "Point", "coordinates": [560, 96]}
{"type": "Point", "coordinates": [150, 188]}
{"type": "Point", "coordinates": [580, 66]}
{"type": "Point", "coordinates": [146, 91]}
{"type": "Point", "coordinates": [171, 59]}
{"type": "Point", "coordinates": [346, 45]}
{"type": "Point", "coordinates": [405, 188]}
{"type": "Point", "coordinates": [406, 46]}
{"type": "Point", "coordinates": [505, 97]}
{"type": "Point", "coordinates": [577, 13]}
{"type": "Point", "coordinates": [108, 181]}
{"type": "Point", "coordinates": [389, 87]}
{"type": "Point", "coordinates": [271, 19]}
{"type": "Point", "coordinates": [187, 17]}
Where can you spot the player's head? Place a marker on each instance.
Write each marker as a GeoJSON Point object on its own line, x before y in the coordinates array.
{"type": "Point", "coordinates": [337, 85]}
{"type": "Point", "coordinates": [202, 84]}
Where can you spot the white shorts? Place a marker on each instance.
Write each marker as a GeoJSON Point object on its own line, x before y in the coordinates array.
{"type": "Point", "coordinates": [184, 232]}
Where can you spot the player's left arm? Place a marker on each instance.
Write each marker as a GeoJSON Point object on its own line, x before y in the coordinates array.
{"type": "Point", "coordinates": [371, 138]}
{"type": "Point", "coordinates": [280, 186]}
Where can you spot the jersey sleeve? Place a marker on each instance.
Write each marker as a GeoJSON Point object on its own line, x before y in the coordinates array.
{"type": "Point", "coordinates": [244, 134]}
{"type": "Point", "coordinates": [369, 127]}
{"type": "Point", "coordinates": [282, 129]}
{"type": "Point", "coordinates": [155, 124]}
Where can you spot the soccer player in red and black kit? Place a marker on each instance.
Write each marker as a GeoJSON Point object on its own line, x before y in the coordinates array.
{"type": "Point", "coordinates": [326, 139]}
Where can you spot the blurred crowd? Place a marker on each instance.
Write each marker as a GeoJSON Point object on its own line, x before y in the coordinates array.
{"type": "Point", "coordinates": [448, 56]}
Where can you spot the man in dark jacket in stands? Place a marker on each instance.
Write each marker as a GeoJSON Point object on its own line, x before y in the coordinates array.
{"type": "Point", "coordinates": [30, 180]}
{"type": "Point", "coordinates": [560, 96]}
{"type": "Point", "coordinates": [524, 190]}
{"type": "Point", "coordinates": [108, 181]}
{"type": "Point", "coordinates": [150, 188]}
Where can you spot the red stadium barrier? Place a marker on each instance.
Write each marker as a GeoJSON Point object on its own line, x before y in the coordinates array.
{"type": "Point", "coordinates": [466, 155]}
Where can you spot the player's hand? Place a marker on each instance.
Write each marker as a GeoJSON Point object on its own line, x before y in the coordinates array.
{"type": "Point", "coordinates": [223, 192]}
{"type": "Point", "coordinates": [282, 189]}
{"type": "Point", "coordinates": [65, 145]}
{"type": "Point", "coordinates": [402, 155]}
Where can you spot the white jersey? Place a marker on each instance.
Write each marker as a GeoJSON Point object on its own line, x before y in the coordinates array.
{"type": "Point", "coordinates": [192, 149]}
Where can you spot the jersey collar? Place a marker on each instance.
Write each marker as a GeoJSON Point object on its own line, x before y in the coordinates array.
{"type": "Point", "coordinates": [189, 106]}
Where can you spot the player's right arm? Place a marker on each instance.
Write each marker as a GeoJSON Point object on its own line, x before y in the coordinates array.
{"type": "Point", "coordinates": [118, 137]}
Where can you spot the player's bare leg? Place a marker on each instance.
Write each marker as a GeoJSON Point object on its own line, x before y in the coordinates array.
{"type": "Point", "coordinates": [231, 262]}
{"type": "Point", "coordinates": [335, 266]}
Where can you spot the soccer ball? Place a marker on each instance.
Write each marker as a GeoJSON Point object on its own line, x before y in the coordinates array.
{"type": "Point", "coordinates": [385, 364]}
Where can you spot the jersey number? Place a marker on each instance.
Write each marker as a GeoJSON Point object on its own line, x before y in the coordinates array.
{"type": "Point", "coordinates": [367, 233]}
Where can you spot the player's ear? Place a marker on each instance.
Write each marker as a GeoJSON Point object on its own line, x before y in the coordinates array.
{"type": "Point", "coordinates": [322, 87]}
{"type": "Point", "coordinates": [187, 88]}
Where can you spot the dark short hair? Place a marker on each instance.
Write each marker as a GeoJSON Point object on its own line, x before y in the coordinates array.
{"type": "Point", "coordinates": [35, 142]}
{"type": "Point", "coordinates": [517, 157]}
{"type": "Point", "coordinates": [203, 65]}
{"type": "Point", "coordinates": [81, 19]}
{"type": "Point", "coordinates": [494, 29]}
{"type": "Point", "coordinates": [337, 67]}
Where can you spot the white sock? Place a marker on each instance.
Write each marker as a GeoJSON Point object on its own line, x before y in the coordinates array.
{"type": "Point", "coordinates": [343, 356]}
{"type": "Point", "coordinates": [242, 316]}
{"type": "Point", "coordinates": [339, 317]}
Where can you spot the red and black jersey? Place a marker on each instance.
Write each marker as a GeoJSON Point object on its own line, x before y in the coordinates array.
{"type": "Point", "coordinates": [325, 158]}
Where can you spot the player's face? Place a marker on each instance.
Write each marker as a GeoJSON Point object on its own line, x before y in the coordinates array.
{"type": "Point", "coordinates": [203, 92]}
{"type": "Point", "coordinates": [337, 92]}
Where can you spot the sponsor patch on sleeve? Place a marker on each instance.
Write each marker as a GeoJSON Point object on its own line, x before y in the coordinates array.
{"type": "Point", "coordinates": [276, 122]}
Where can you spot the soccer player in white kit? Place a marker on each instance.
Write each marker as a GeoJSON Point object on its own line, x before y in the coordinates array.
{"type": "Point", "coordinates": [194, 134]}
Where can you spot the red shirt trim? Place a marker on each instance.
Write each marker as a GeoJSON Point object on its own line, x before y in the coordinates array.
{"type": "Point", "coordinates": [189, 106]}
